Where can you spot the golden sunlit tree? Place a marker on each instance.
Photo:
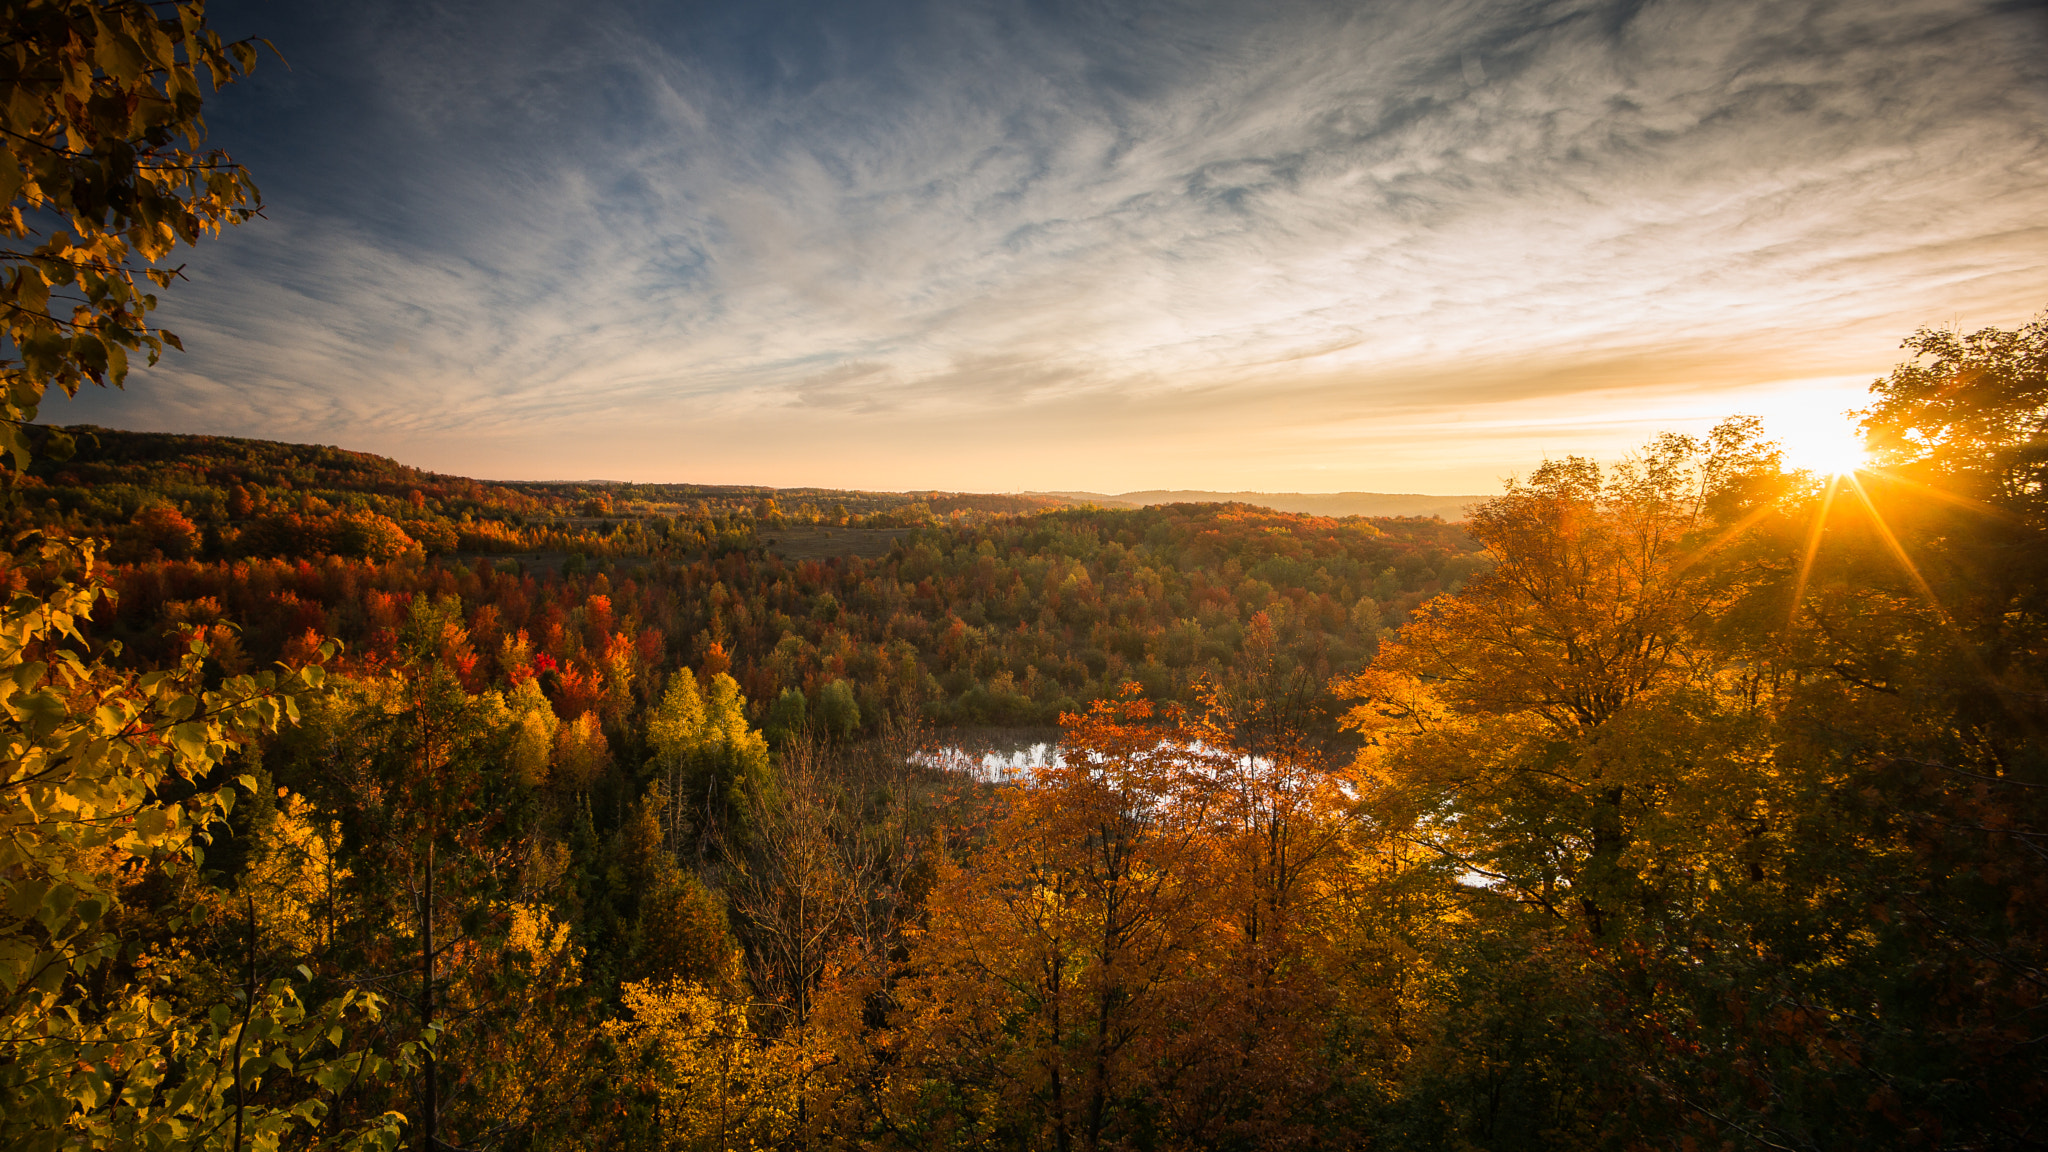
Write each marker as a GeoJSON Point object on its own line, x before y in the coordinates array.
{"type": "Point", "coordinates": [1255, 1065]}
{"type": "Point", "coordinates": [1919, 634]}
{"type": "Point", "coordinates": [1049, 976]}
{"type": "Point", "coordinates": [1530, 727]}
{"type": "Point", "coordinates": [1742, 771]}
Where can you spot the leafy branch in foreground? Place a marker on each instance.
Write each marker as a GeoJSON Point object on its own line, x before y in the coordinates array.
{"type": "Point", "coordinates": [103, 172]}
{"type": "Point", "coordinates": [115, 1030]}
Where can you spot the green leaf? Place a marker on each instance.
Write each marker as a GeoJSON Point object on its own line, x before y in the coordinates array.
{"type": "Point", "coordinates": [189, 739]}
{"type": "Point", "coordinates": [40, 712]}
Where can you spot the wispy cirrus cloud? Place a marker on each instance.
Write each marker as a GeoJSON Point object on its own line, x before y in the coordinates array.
{"type": "Point", "coordinates": [990, 246]}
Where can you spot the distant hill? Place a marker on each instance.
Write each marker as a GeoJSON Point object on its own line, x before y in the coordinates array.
{"type": "Point", "coordinates": [116, 473]}
{"type": "Point", "coordinates": [236, 496]}
{"type": "Point", "coordinates": [1306, 503]}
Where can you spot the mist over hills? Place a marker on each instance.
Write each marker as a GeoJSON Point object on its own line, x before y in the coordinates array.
{"type": "Point", "coordinates": [1306, 503]}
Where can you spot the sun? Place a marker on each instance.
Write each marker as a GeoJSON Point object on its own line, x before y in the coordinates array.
{"type": "Point", "coordinates": [1824, 445]}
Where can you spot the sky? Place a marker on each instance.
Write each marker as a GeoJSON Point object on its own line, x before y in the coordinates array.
{"type": "Point", "coordinates": [1404, 246]}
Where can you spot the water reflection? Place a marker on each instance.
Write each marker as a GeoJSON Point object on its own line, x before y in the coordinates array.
{"type": "Point", "coordinates": [1011, 766]}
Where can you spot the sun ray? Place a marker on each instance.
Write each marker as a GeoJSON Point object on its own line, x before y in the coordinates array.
{"type": "Point", "coordinates": [1721, 541]}
{"type": "Point", "coordinates": [1943, 495]}
{"type": "Point", "coordinates": [1953, 630]}
{"type": "Point", "coordinates": [1813, 534]}
{"type": "Point", "coordinates": [1898, 552]}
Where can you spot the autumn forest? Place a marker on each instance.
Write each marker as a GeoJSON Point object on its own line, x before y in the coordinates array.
{"type": "Point", "coordinates": [1693, 800]}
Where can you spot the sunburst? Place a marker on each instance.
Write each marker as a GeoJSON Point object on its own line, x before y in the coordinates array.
{"type": "Point", "coordinates": [1828, 447]}
{"type": "Point", "coordinates": [1850, 484]}
{"type": "Point", "coordinates": [1813, 534]}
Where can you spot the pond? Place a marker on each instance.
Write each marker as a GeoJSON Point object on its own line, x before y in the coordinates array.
{"type": "Point", "coordinates": [1008, 766]}
{"type": "Point", "coordinates": [993, 755]}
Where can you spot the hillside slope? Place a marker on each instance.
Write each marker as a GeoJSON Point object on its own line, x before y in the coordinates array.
{"type": "Point", "coordinates": [1304, 503]}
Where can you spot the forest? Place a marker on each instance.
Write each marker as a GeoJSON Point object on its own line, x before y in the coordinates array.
{"type": "Point", "coordinates": [986, 616]}
{"type": "Point", "coordinates": [1684, 801]}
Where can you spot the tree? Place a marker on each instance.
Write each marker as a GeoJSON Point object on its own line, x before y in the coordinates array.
{"type": "Point", "coordinates": [1743, 773]}
{"type": "Point", "coordinates": [1048, 977]}
{"type": "Point", "coordinates": [715, 766]}
{"type": "Point", "coordinates": [164, 530]}
{"type": "Point", "coordinates": [369, 535]}
{"type": "Point", "coordinates": [838, 711]}
{"type": "Point", "coordinates": [1253, 1070]}
{"type": "Point", "coordinates": [801, 894]}
{"type": "Point", "coordinates": [1581, 737]}
{"type": "Point", "coordinates": [1925, 627]}
{"type": "Point", "coordinates": [454, 891]}
{"type": "Point", "coordinates": [1972, 411]}
{"type": "Point", "coordinates": [1539, 702]}
{"type": "Point", "coordinates": [716, 1084]}
{"type": "Point", "coordinates": [1889, 898]}
{"type": "Point", "coordinates": [788, 718]}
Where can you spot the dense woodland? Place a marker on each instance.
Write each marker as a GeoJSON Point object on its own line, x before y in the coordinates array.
{"type": "Point", "coordinates": [1685, 802]}
{"type": "Point", "coordinates": [986, 617]}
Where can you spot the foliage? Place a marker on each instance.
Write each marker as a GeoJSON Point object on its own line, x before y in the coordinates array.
{"type": "Point", "coordinates": [103, 174]}
{"type": "Point", "coordinates": [1972, 409]}
{"type": "Point", "coordinates": [715, 1086]}
{"type": "Point", "coordinates": [1132, 959]}
{"type": "Point", "coordinates": [1069, 604]}
{"type": "Point", "coordinates": [717, 767]}
{"type": "Point", "coordinates": [1561, 705]}
{"type": "Point", "coordinates": [449, 900]}
{"type": "Point", "coordinates": [1742, 769]}
{"type": "Point", "coordinates": [104, 1047]}
{"type": "Point", "coordinates": [120, 1032]}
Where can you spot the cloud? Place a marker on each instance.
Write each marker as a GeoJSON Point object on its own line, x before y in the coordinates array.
{"type": "Point", "coordinates": [805, 241]}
